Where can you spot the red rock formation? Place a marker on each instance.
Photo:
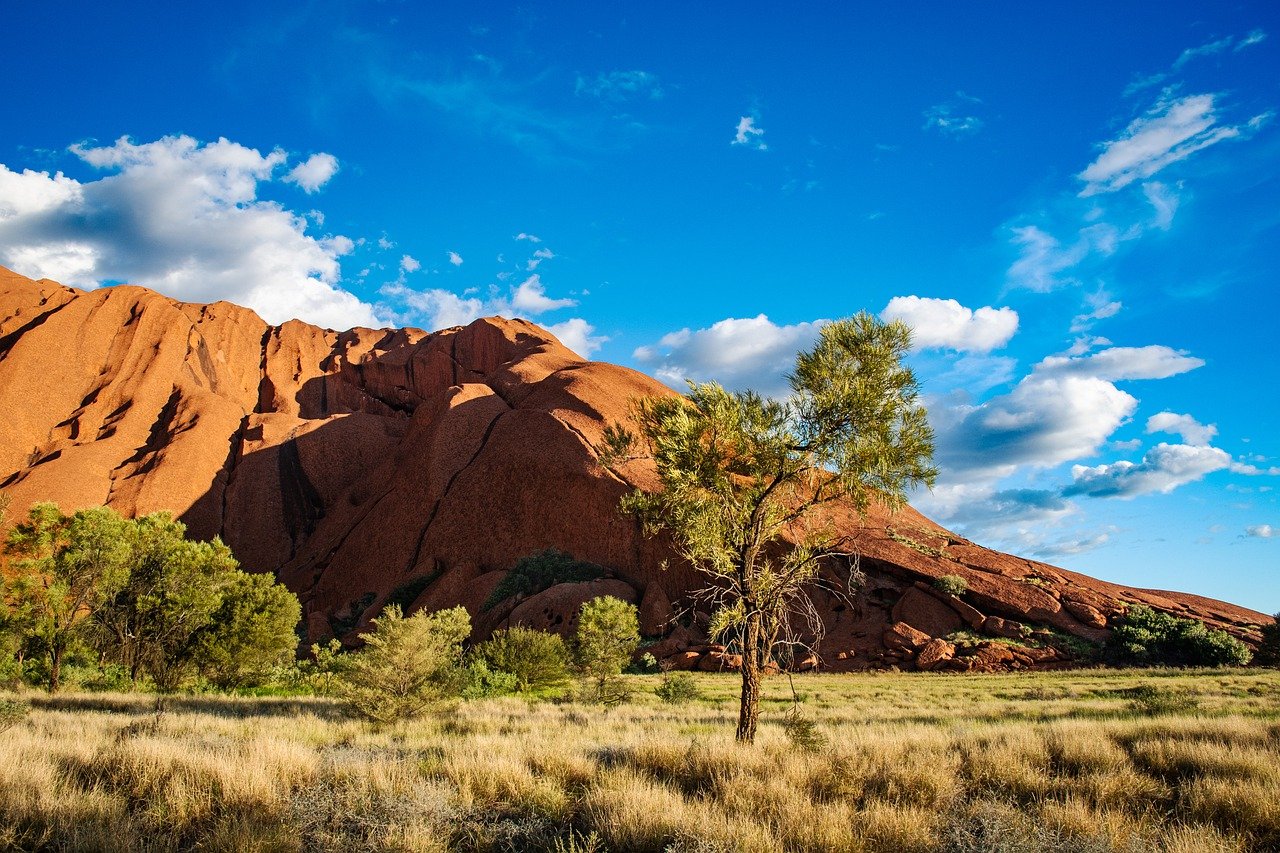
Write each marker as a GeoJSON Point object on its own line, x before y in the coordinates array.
{"type": "Point", "coordinates": [370, 466]}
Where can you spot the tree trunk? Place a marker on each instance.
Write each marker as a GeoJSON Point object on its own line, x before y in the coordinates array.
{"type": "Point", "coordinates": [749, 707]}
{"type": "Point", "coordinates": [55, 668]}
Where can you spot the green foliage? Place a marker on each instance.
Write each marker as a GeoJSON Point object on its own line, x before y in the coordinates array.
{"type": "Point", "coordinates": [407, 665]}
{"type": "Point", "coordinates": [802, 731]}
{"type": "Point", "coordinates": [1269, 649]}
{"type": "Point", "coordinates": [540, 571]}
{"type": "Point", "coordinates": [536, 660]}
{"type": "Point", "coordinates": [608, 634]}
{"type": "Point", "coordinates": [678, 688]}
{"type": "Point", "coordinates": [70, 566]}
{"type": "Point", "coordinates": [323, 671]}
{"type": "Point", "coordinates": [1146, 636]}
{"type": "Point", "coordinates": [1149, 700]}
{"type": "Point", "coordinates": [951, 585]}
{"type": "Point", "coordinates": [480, 681]}
{"type": "Point", "coordinates": [252, 631]}
{"type": "Point", "coordinates": [741, 473]}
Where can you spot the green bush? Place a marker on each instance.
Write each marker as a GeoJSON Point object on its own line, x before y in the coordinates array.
{"type": "Point", "coordinates": [1146, 636]}
{"type": "Point", "coordinates": [479, 681]}
{"type": "Point", "coordinates": [608, 634]}
{"type": "Point", "coordinates": [407, 665]}
{"type": "Point", "coordinates": [540, 571]}
{"type": "Point", "coordinates": [1269, 648]}
{"type": "Point", "coordinates": [677, 688]}
{"type": "Point", "coordinates": [951, 585]}
{"type": "Point", "coordinates": [536, 660]}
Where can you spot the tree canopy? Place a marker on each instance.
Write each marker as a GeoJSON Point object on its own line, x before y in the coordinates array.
{"type": "Point", "coordinates": [743, 477]}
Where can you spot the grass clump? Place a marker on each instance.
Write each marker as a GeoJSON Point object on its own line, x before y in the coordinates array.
{"type": "Point", "coordinates": [541, 571]}
{"type": "Point", "coordinates": [951, 585]}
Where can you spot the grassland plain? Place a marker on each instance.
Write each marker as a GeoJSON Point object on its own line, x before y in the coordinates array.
{"type": "Point", "coordinates": [1090, 761]}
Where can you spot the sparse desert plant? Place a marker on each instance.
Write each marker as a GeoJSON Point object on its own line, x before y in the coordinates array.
{"type": "Point", "coordinates": [608, 634]}
{"type": "Point", "coordinates": [951, 585]}
{"type": "Point", "coordinates": [537, 660]}
{"type": "Point", "coordinates": [407, 664]}
{"type": "Point", "coordinates": [803, 731]}
{"type": "Point", "coordinates": [677, 688]}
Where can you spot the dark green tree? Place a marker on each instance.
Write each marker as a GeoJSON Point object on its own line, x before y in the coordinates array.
{"type": "Point", "coordinates": [745, 479]}
{"type": "Point", "coordinates": [251, 633]}
{"type": "Point", "coordinates": [1269, 649]}
{"type": "Point", "coordinates": [537, 659]}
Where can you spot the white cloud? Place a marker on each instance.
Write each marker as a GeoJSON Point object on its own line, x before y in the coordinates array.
{"type": "Point", "coordinates": [951, 120]}
{"type": "Point", "coordinates": [738, 353]}
{"type": "Point", "coordinates": [409, 263]}
{"type": "Point", "coordinates": [749, 135]}
{"type": "Point", "coordinates": [1119, 363]}
{"type": "Point", "coordinates": [384, 243]}
{"type": "Point", "coordinates": [544, 254]}
{"type": "Point", "coordinates": [530, 297]}
{"type": "Point", "coordinates": [1065, 409]}
{"type": "Point", "coordinates": [532, 238]}
{"type": "Point", "coordinates": [314, 172]}
{"type": "Point", "coordinates": [578, 335]}
{"type": "Point", "coordinates": [455, 259]}
{"type": "Point", "coordinates": [620, 85]}
{"type": "Point", "coordinates": [946, 324]}
{"type": "Point", "coordinates": [1172, 130]}
{"type": "Point", "coordinates": [1191, 430]}
{"type": "Point", "coordinates": [1164, 468]}
{"type": "Point", "coordinates": [1262, 531]}
{"type": "Point", "coordinates": [182, 218]}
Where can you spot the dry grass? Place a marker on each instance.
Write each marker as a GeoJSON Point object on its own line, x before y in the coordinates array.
{"type": "Point", "coordinates": [1047, 762]}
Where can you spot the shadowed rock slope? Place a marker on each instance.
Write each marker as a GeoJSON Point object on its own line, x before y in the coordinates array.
{"type": "Point", "coordinates": [373, 466]}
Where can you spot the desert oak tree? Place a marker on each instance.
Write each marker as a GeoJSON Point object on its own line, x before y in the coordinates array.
{"type": "Point", "coordinates": [744, 479]}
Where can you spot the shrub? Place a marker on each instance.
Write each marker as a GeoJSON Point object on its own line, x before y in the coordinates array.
{"type": "Point", "coordinates": [677, 688]}
{"type": "Point", "coordinates": [479, 681]}
{"type": "Point", "coordinates": [608, 634]}
{"type": "Point", "coordinates": [407, 664]}
{"type": "Point", "coordinates": [1269, 648]}
{"type": "Point", "coordinates": [1151, 700]}
{"type": "Point", "coordinates": [951, 585]}
{"type": "Point", "coordinates": [540, 571]}
{"type": "Point", "coordinates": [12, 712]}
{"type": "Point", "coordinates": [536, 659]}
{"type": "Point", "coordinates": [1145, 636]}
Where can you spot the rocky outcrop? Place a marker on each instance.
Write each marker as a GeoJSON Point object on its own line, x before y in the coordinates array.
{"type": "Point", "coordinates": [373, 466]}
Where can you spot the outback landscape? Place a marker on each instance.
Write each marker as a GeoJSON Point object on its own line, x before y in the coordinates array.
{"type": "Point", "coordinates": [674, 429]}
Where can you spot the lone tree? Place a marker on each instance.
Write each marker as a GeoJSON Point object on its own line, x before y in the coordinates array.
{"type": "Point", "coordinates": [744, 480]}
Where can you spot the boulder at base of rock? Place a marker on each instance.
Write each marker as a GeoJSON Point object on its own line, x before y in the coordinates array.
{"type": "Point", "coordinates": [925, 613]}
{"type": "Point", "coordinates": [935, 653]}
{"type": "Point", "coordinates": [556, 609]}
{"type": "Point", "coordinates": [990, 657]}
{"type": "Point", "coordinates": [902, 637]}
{"type": "Point", "coordinates": [717, 660]}
{"type": "Point", "coordinates": [1006, 628]}
{"type": "Point", "coordinates": [655, 610]}
{"type": "Point", "coordinates": [1086, 614]}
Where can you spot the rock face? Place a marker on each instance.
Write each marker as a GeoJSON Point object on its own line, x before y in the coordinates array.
{"type": "Point", "coordinates": [373, 466]}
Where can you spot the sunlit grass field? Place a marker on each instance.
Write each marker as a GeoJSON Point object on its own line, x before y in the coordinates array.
{"type": "Point", "coordinates": [1077, 761]}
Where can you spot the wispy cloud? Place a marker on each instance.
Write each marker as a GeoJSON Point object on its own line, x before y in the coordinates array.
{"type": "Point", "coordinates": [1206, 49]}
{"type": "Point", "coordinates": [1172, 130]}
{"type": "Point", "coordinates": [620, 85]}
{"type": "Point", "coordinates": [955, 117]}
{"type": "Point", "coordinates": [1262, 531]}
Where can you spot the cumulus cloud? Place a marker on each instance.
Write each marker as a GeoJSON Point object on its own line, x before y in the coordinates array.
{"type": "Point", "coordinates": [1164, 468]}
{"type": "Point", "coordinates": [455, 259]}
{"type": "Point", "coordinates": [749, 135]}
{"type": "Point", "coordinates": [1191, 430]}
{"type": "Point", "coordinates": [314, 172]}
{"type": "Point", "coordinates": [578, 335]}
{"type": "Point", "coordinates": [409, 263]}
{"type": "Point", "coordinates": [1262, 531]}
{"type": "Point", "coordinates": [738, 353]}
{"type": "Point", "coordinates": [530, 297]}
{"type": "Point", "coordinates": [1172, 130]}
{"type": "Point", "coordinates": [620, 86]}
{"type": "Point", "coordinates": [183, 218]}
{"type": "Point", "coordinates": [946, 324]}
{"type": "Point", "coordinates": [1065, 409]}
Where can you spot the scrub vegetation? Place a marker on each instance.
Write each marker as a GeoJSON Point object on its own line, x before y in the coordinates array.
{"type": "Point", "coordinates": [1099, 760]}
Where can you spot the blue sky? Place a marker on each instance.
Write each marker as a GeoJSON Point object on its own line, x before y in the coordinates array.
{"type": "Point", "coordinates": [1076, 205]}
